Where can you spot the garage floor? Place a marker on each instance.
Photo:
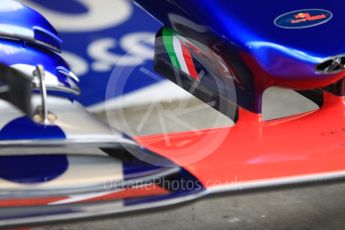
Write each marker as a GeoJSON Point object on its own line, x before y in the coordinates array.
{"type": "Point", "coordinates": [308, 208]}
{"type": "Point", "coordinates": [321, 207]}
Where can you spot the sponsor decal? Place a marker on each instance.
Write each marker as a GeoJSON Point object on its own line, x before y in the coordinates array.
{"type": "Point", "coordinates": [303, 18]}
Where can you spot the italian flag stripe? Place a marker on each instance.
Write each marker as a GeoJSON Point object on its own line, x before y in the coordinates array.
{"type": "Point", "coordinates": [168, 40]}
{"type": "Point", "coordinates": [179, 54]}
{"type": "Point", "coordinates": [189, 62]}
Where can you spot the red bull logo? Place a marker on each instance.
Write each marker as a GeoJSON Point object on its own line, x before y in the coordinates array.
{"type": "Point", "coordinates": [302, 15]}
{"type": "Point", "coordinates": [303, 18]}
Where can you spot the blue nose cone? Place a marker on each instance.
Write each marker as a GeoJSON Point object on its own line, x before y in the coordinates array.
{"type": "Point", "coordinates": [292, 39]}
{"type": "Point", "coordinates": [316, 28]}
{"type": "Point", "coordinates": [18, 21]}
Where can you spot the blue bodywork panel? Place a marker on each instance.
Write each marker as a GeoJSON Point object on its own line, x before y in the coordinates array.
{"type": "Point", "coordinates": [21, 22]}
{"type": "Point", "coordinates": [22, 57]}
{"type": "Point", "coordinates": [24, 128]}
{"type": "Point", "coordinates": [249, 26]}
{"type": "Point", "coordinates": [33, 169]}
{"type": "Point", "coordinates": [288, 44]}
{"type": "Point", "coordinates": [98, 48]}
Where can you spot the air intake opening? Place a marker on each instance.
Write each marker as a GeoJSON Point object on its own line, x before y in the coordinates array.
{"type": "Point", "coordinates": [332, 65]}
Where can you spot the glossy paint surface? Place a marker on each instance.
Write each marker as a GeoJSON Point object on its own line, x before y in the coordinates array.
{"type": "Point", "coordinates": [95, 36]}
{"type": "Point", "coordinates": [25, 58]}
{"type": "Point", "coordinates": [29, 130]}
{"type": "Point", "coordinates": [289, 150]}
{"type": "Point", "coordinates": [21, 22]}
{"type": "Point", "coordinates": [260, 53]}
{"type": "Point", "coordinates": [33, 169]}
{"type": "Point", "coordinates": [16, 129]}
{"type": "Point", "coordinates": [56, 174]}
{"type": "Point", "coordinates": [91, 186]}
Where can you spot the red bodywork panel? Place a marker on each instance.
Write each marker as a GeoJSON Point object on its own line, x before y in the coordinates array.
{"type": "Point", "coordinates": [255, 151]}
